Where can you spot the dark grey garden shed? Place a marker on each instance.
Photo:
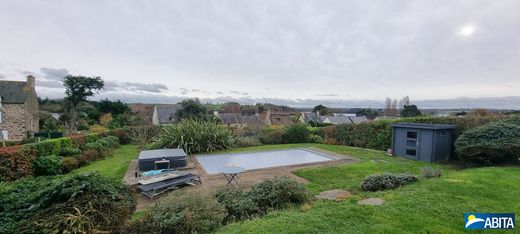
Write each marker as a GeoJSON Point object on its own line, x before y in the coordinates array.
{"type": "Point", "coordinates": [422, 142]}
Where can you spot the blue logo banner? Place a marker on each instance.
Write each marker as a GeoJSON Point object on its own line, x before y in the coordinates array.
{"type": "Point", "coordinates": [489, 221]}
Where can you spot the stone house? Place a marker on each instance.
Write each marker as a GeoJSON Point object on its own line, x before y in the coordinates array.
{"type": "Point", "coordinates": [18, 109]}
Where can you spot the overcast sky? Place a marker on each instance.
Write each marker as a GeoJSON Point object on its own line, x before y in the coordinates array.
{"type": "Point", "coordinates": [291, 51]}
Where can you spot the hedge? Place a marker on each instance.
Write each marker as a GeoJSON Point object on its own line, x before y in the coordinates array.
{"type": "Point", "coordinates": [491, 144]}
{"type": "Point", "coordinates": [378, 134]}
{"type": "Point", "coordinates": [14, 164]}
{"type": "Point", "coordinates": [16, 161]}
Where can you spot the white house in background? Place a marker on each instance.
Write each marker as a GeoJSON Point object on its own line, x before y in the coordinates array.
{"type": "Point", "coordinates": [164, 114]}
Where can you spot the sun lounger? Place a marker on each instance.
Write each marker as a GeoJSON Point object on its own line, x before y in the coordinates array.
{"type": "Point", "coordinates": [154, 189]}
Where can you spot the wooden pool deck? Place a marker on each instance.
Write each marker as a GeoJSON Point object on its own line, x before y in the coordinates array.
{"type": "Point", "coordinates": [213, 182]}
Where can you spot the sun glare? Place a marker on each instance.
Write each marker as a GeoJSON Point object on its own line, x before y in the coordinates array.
{"type": "Point", "coordinates": [467, 30]}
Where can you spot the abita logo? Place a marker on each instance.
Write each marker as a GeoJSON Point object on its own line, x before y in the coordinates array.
{"type": "Point", "coordinates": [489, 220]}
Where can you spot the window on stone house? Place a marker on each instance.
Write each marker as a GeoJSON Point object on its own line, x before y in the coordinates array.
{"type": "Point", "coordinates": [1, 117]}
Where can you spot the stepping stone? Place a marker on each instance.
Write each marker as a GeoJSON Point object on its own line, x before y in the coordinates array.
{"type": "Point", "coordinates": [335, 195]}
{"type": "Point", "coordinates": [372, 202]}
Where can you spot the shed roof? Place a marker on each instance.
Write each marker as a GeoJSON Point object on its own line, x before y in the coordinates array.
{"type": "Point", "coordinates": [13, 91]}
{"type": "Point", "coordinates": [423, 126]}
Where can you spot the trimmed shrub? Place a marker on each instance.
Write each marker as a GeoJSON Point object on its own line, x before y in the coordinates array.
{"type": "Point", "coordinates": [91, 137]}
{"type": "Point", "coordinates": [121, 134]}
{"type": "Point", "coordinates": [69, 151]}
{"type": "Point", "coordinates": [239, 205]}
{"type": "Point", "coordinates": [15, 163]}
{"type": "Point", "coordinates": [82, 159]}
{"type": "Point", "coordinates": [195, 136]}
{"type": "Point", "coordinates": [246, 142]}
{"type": "Point", "coordinates": [180, 212]}
{"type": "Point", "coordinates": [277, 193]}
{"type": "Point", "coordinates": [47, 165]}
{"type": "Point", "coordinates": [77, 140]}
{"type": "Point", "coordinates": [495, 143]}
{"type": "Point", "coordinates": [78, 204]}
{"type": "Point", "coordinates": [430, 172]}
{"type": "Point", "coordinates": [387, 181]}
{"type": "Point", "coordinates": [315, 139]}
{"type": "Point", "coordinates": [68, 164]}
{"type": "Point", "coordinates": [297, 133]}
{"type": "Point", "coordinates": [90, 154]}
{"type": "Point", "coordinates": [271, 135]}
{"type": "Point", "coordinates": [98, 129]}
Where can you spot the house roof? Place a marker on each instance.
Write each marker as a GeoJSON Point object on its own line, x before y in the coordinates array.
{"type": "Point", "coordinates": [358, 119]}
{"type": "Point", "coordinates": [166, 112]}
{"type": "Point", "coordinates": [340, 119]}
{"type": "Point", "coordinates": [251, 119]}
{"type": "Point", "coordinates": [234, 118]}
{"type": "Point", "coordinates": [13, 91]}
{"type": "Point", "coordinates": [282, 118]}
{"type": "Point", "coordinates": [230, 118]}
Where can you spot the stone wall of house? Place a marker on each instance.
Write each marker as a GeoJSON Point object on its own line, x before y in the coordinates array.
{"type": "Point", "coordinates": [14, 121]}
{"type": "Point", "coordinates": [32, 112]}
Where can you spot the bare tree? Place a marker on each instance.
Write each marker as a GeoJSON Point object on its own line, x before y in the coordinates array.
{"type": "Point", "coordinates": [388, 107]}
{"type": "Point", "coordinates": [142, 134]}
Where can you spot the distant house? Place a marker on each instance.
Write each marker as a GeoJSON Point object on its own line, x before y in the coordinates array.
{"type": "Point", "coordinates": [337, 120]}
{"type": "Point", "coordinates": [238, 120]}
{"type": "Point", "coordinates": [342, 119]}
{"type": "Point", "coordinates": [164, 114]}
{"type": "Point", "coordinates": [358, 119]}
{"type": "Point", "coordinates": [144, 111]}
{"type": "Point", "coordinates": [18, 109]}
{"type": "Point", "coordinates": [230, 119]}
{"type": "Point", "coordinates": [279, 118]}
{"type": "Point", "coordinates": [308, 117]}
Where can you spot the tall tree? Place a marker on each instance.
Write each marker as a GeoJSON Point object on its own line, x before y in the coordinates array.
{"type": "Point", "coordinates": [368, 112]}
{"type": "Point", "coordinates": [115, 108]}
{"type": "Point", "coordinates": [410, 111]}
{"type": "Point", "coordinates": [78, 89]}
{"type": "Point", "coordinates": [192, 109]}
{"type": "Point", "coordinates": [323, 110]}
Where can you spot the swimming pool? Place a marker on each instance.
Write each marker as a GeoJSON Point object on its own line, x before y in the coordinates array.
{"type": "Point", "coordinates": [262, 159]}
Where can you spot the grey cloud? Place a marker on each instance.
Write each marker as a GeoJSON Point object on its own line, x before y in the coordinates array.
{"type": "Point", "coordinates": [364, 49]}
{"type": "Point", "coordinates": [238, 92]}
{"type": "Point", "coordinates": [2, 76]}
{"type": "Point", "coordinates": [136, 87]}
{"type": "Point", "coordinates": [327, 95]}
{"type": "Point", "coordinates": [54, 73]}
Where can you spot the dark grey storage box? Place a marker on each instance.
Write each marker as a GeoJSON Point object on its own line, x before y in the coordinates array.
{"type": "Point", "coordinates": [161, 159]}
{"type": "Point", "coordinates": [423, 142]}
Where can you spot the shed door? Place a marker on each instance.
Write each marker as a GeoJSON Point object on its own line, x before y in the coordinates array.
{"type": "Point", "coordinates": [412, 144]}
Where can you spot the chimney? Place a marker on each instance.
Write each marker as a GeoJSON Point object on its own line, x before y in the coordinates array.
{"type": "Point", "coordinates": [31, 81]}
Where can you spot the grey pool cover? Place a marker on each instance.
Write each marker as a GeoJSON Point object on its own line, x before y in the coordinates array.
{"type": "Point", "coordinates": [263, 159]}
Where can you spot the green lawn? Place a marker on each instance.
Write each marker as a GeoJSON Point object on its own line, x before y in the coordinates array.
{"type": "Point", "coordinates": [113, 166]}
{"type": "Point", "coordinates": [429, 206]}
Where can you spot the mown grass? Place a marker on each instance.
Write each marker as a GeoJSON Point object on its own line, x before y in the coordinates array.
{"type": "Point", "coordinates": [113, 166]}
{"type": "Point", "coordinates": [429, 206]}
